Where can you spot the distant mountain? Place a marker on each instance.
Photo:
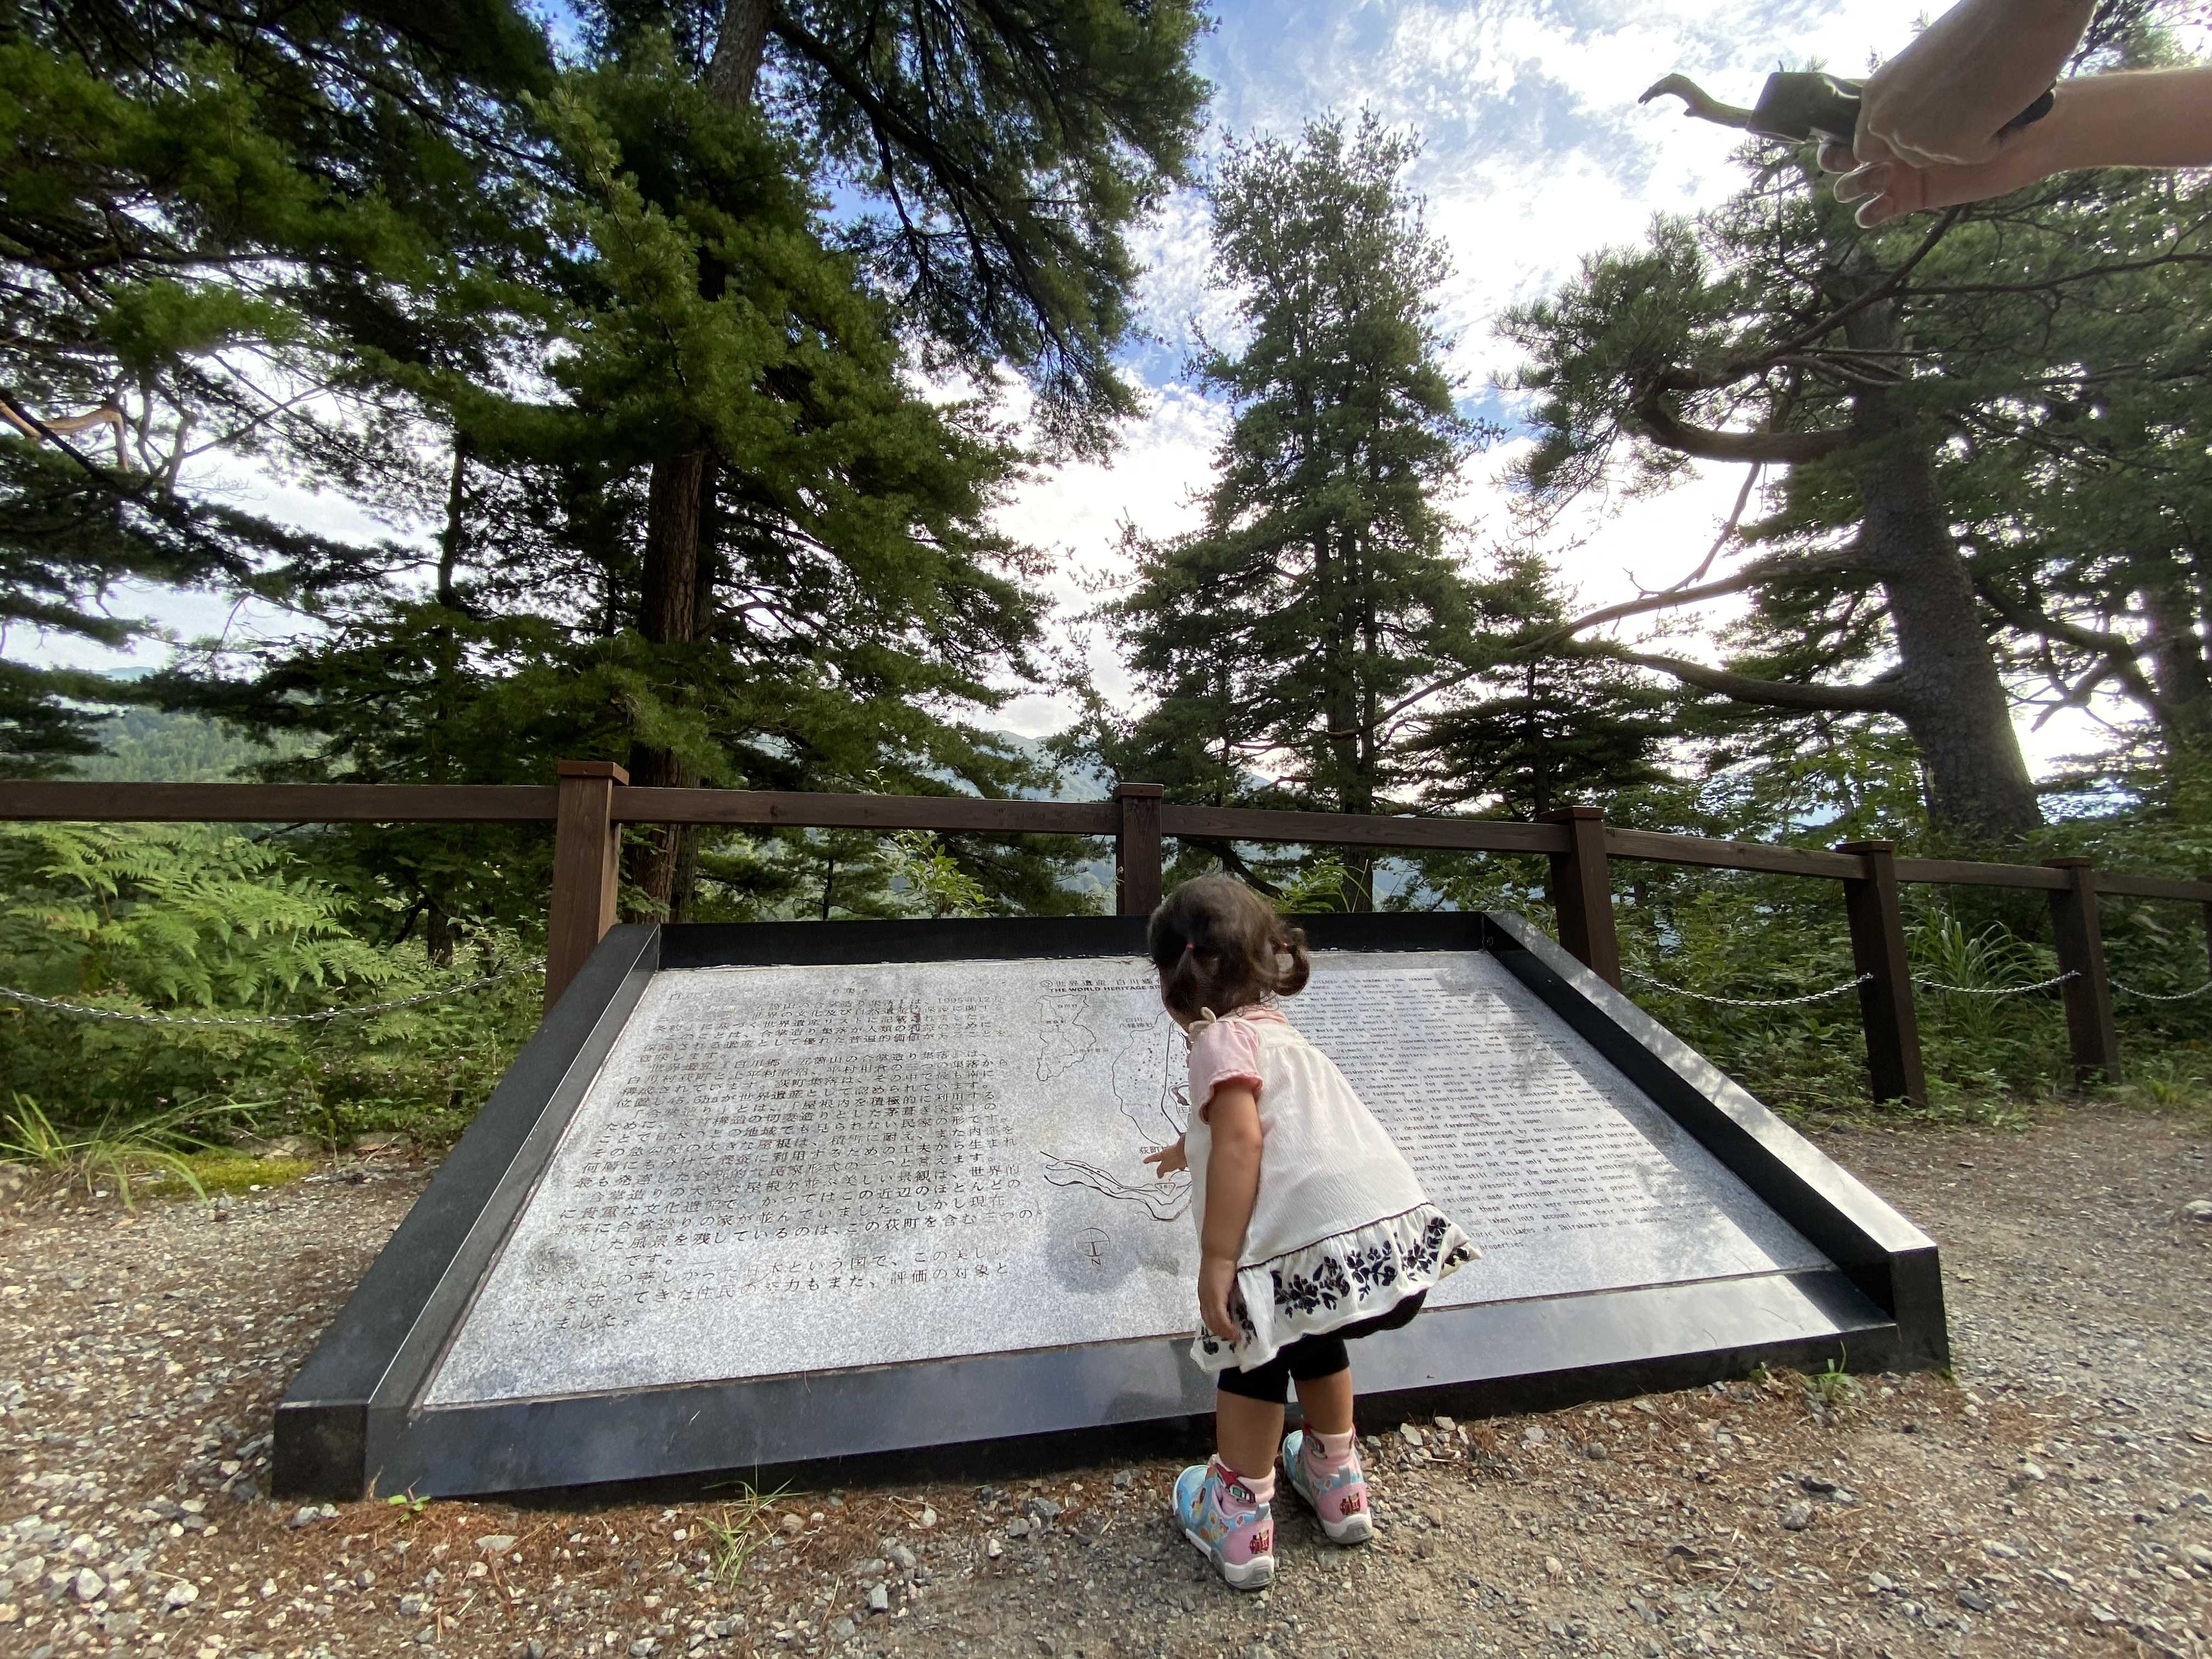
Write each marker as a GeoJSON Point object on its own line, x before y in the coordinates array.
{"type": "Point", "coordinates": [1080, 780]}
{"type": "Point", "coordinates": [145, 745]}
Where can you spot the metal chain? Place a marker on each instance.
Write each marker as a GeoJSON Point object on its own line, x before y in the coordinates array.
{"type": "Point", "coordinates": [131, 1018]}
{"type": "Point", "coordinates": [1996, 990]}
{"type": "Point", "coordinates": [1752, 1002]}
{"type": "Point", "coordinates": [2163, 996]}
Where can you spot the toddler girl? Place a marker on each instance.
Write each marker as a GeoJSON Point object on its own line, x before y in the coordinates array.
{"type": "Point", "coordinates": [1312, 1228]}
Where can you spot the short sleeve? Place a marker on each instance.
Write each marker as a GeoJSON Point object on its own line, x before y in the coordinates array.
{"type": "Point", "coordinates": [1224, 1052]}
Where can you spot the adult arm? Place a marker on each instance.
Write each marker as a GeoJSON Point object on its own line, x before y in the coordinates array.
{"type": "Point", "coordinates": [2141, 119]}
{"type": "Point", "coordinates": [1944, 100]}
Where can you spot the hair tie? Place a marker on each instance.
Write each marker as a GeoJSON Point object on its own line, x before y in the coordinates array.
{"type": "Point", "coordinates": [1189, 946]}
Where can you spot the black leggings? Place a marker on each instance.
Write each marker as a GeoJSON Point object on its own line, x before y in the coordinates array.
{"type": "Point", "coordinates": [1311, 1357]}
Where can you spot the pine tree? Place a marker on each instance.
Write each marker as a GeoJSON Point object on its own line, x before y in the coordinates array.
{"type": "Point", "coordinates": [1003, 149]}
{"type": "Point", "coordinates": [1322, 586]}
{"type": "Point", "coordinates": [217, 222]}
{"type": "Point", "coordinates": [1547, 722]}
{"type": "Point", "coordinates": [1971, 433]}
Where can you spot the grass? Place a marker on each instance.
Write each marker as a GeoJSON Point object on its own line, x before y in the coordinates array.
{"type": "Point", "coordinates": [741, 1529]}
{"type": "Point", "coordinates": [110, 1152]}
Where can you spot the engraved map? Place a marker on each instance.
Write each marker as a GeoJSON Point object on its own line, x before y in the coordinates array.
{"type": "Point", "coordinates": [786, 1170]}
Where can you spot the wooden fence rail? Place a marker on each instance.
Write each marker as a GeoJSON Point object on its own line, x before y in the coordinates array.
{"type": "Point", "coordinates": [591, 800]}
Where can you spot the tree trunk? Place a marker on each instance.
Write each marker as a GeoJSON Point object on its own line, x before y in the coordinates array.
{"type": "Point", "coordinates": [663, 859]}
{"type": "Point", "coordinates": [439, 935]}
{"type": "Point", "coordinates": [1949, 692]}
{"type": "Point", "coordinates": [2177, 668]}
{"type": "Point", "coordinates": [679, 575]}
{"type": "Point", "coordinates": [449, 542]}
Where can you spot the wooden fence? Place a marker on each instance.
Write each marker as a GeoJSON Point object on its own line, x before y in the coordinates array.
{"type": "Point", "coordinates": [592, 800]}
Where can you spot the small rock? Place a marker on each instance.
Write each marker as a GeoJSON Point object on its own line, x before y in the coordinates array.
{"type": "Point", "coordinates": [1819, 1484]}
{"type": "Point", "coordinates": [842, 1629]}
{"type": "Point", "coordinates": [369, 1146]}
{"type": "Point", "coordinates": [928, 1518]}
{"type": "Point", "coordinates": [993, 1548]}
{"type": "Point", "coordinates": [643, 1648]}
{"type": "Point", "coordinates": [308, 1514]}
{"type": "Point", "coordinates": [879, 1598]}
{"type": "Point", "coordinates": [1535, 1435]}
{"type": "Point", "coordinates": [495, 1543]}
{"type": "Point", "coordinates": [1017, 1528]}
{"type": "Point", "coordinates": [1595, 1451]}
{"type": "Point", "coordinates": [1041, 1509]}
{"type": "Point", "coordinates": [1973, 1601]}
{"type": "Point", "coordinates": [2199, 1209]}
{"type": "Point", "coordinates": [1123, 1477]}
{"type": "Point", "coordinates": [793, 1525]}
{"type": "Point", "coordinates": [413, 1607]}
{"type": "Point", "coordinates": [87, 1586]}
{"type": "Point", "coordinates": [2199, 1556]}
{"type": "Point", "coordinates": [180, 1594]}
{"type": "Point", "coordinates": [1797, 1517]}
{"type": "Point", "coordinates": [906, 1558]}
{"type": "Point", "coordinates": [1411, 1435]}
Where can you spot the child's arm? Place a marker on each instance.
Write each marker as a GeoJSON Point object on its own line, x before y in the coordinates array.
{"type": "Point", "coordinates": [1232, 1183]}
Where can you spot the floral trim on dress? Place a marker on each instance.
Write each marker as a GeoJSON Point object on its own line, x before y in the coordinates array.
{"type": "Point", "coordinates": [1335, 1282]}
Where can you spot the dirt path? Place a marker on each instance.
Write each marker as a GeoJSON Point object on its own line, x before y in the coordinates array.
{"type": "Point", "coordinates": [2052, 1502]}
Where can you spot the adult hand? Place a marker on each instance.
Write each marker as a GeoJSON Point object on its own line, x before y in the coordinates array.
{"type": "Point", "coordinates": [1217, 1278]}
{"type": "Point", "coordinates": [1890, 188]}
{"type": "Point", "coordinates": [1944, 100]}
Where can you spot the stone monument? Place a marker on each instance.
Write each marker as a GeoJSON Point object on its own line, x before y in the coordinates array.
{"type": "Point", "coordinates": [756, 1196]}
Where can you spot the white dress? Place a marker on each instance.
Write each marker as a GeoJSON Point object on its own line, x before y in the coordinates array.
{"type": "Point", "coordinates": [1340, 1230]}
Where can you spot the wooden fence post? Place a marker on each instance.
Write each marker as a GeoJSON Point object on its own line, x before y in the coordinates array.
{"type": "Point", "coordinates": [1893, 1026]}
{"type": "Point", "coordinates": [1137, 858]}
{"type": "Point", "coordinates": [585, 845]}
{"type": "Point", "coordinates": [1582, 892]}
{"type": "Point", "coordinates": [2079, 937]}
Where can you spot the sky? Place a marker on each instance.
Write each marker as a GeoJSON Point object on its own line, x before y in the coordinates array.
{"type": "Point", "coordinates": [1535, 154]}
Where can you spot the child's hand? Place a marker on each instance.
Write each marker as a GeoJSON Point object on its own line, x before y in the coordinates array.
{"type": "Point", "coordinates": [1217, 1278]}
{"type": "Point", "coordinates": [1166, 1161]}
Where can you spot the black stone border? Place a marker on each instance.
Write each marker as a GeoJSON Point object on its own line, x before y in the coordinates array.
{"type": "Point", "coordinates": [351, 1426]}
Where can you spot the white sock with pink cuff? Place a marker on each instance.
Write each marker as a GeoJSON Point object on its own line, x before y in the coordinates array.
{"type": "Point", "coordinates": [1261, 1487]}
{"type": "Point", "coordinates": [1329, 1452]}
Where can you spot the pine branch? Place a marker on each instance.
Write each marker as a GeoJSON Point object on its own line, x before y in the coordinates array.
{"type": "Point", "coordinates": [1873, 697]}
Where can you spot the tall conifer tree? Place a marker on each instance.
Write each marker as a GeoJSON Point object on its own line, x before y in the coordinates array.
{"type": "Point", "coordinates": [1323, 584]}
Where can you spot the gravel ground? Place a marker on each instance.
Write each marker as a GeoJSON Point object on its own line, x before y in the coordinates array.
{"type": "Point", "coordinates": [2051, 1500]}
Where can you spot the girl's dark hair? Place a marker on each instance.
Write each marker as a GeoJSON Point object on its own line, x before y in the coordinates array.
{"type": "Point", "coordinates": [1220, 945]}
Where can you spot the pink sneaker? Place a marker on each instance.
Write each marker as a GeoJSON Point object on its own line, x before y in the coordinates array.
{"type": "Point", "coordinates": [1231, 1528]}
{"type": "Point", "coordinates": [1338, 1497]}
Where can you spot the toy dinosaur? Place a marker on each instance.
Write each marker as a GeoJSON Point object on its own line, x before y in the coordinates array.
{"type": "Point", "coordinates": [1798, 104]}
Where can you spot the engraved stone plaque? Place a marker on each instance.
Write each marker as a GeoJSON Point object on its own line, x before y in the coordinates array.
{"type": "Point", "coordinates": [805, 1169]}
{"type": "Point", "coordinates": [758, 1196]}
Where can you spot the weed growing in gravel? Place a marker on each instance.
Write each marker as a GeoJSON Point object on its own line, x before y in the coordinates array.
{"type": "Point", "coordinates": [112, 1150]}
{"type": "Point", "coordinates": [1836, 1386]}
{"type": "Point", "coordinates": [741, 1531]}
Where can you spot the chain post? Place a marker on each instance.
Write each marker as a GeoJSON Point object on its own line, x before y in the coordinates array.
{"type": "Point", "coordinates": [1582, 892]}
{"type": "Point", "coordinates": [1137, 857]}
{"type": "Point", "coordinates": [585, 845]}
{"type": "Point", "coordinates": [1886, 1009]}
{"type": "Point", "coordinates": [2079, 935]}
